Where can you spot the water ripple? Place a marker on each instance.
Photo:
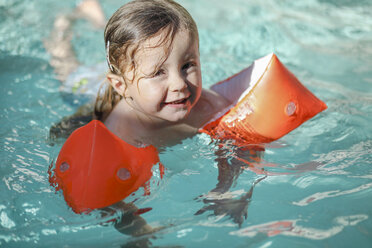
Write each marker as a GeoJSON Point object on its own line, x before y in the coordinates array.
{"type": "Point", "coordinates": [329, 194]}
{"type": "Point", "coordinates": [291, 228]}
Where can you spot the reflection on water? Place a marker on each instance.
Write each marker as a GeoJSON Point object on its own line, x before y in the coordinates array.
{"type": "Point", "coordinates": [328, 194]}
{"type": "Point", "coordinates": [291, 228]}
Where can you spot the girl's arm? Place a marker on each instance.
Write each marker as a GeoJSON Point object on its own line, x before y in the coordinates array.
{"type": "Point", "coordinates": [231, 163]}
{"type": "Point", "coordinates": [132, 224]}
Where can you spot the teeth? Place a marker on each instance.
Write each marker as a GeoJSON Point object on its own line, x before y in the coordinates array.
{"type": "Point", "coordinates": [176, 102]}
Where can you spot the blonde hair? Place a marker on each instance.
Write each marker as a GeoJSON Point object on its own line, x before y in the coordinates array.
{"type": "Point", "coordinates": [127, 29]}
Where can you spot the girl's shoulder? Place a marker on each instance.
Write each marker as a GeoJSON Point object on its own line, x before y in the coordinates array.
{"type": "Point", "coordinates": [209, 104]}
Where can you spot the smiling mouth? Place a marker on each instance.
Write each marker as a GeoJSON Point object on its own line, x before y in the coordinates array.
{"type": "Point", "coordinates": [178, 102]}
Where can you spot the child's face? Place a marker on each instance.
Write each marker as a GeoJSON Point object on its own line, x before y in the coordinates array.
{"type": "Point", "coordinates": [169, 92]}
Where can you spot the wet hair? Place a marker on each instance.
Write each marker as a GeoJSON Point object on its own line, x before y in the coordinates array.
{"type": "Point", "coordinates": [131, 25]}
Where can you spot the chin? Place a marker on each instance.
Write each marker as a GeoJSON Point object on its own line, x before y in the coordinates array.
{"type": "Point", "coordinates": [178, 117]}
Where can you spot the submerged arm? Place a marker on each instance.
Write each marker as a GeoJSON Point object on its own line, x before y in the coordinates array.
{"type": "Point", "coordinates": [230, 165]}
{"type": "Point", "coordinates": [131, 223]}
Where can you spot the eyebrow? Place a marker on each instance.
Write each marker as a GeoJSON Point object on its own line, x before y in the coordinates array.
{"type": "Point", "coordinates": [190, 55]}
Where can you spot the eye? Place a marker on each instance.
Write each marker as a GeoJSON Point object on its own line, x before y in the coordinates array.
{"type": "Point", "coordinates": [158, 73]}
{"type": "Point", "coordinates": [188, 65]}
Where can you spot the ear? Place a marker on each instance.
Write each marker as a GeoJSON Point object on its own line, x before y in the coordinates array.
{"type": "Point", "coordinates": [117, 82]}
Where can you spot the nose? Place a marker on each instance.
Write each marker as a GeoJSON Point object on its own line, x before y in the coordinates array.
{"type": "Point", "coordinates": [177, 83]}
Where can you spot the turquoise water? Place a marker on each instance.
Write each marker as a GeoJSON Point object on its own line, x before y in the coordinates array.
{"type": "Point", "coordinates": [318, 192]}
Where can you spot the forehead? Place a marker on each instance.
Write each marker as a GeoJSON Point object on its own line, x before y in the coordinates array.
{"type": "Point", "coordinates": [157, 48]}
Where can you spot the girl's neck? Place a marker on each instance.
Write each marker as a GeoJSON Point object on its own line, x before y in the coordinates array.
{"type": "Point", "coordinates": [135, 128]}
{"type": "Point", "coordinates": [146, 123]}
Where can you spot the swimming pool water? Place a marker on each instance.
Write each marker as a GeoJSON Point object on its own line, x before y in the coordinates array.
{"type": "Point", "coordinates": [318, 192]}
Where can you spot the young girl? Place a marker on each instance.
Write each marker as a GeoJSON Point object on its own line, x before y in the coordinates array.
{"type": "Point", "coordinates": [154, 91]}
{"type": "Point", "coordinates": [155, 94]}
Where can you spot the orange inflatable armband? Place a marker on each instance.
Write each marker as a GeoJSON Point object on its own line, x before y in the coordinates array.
{"type": "Point", "coordinates": [268, 102]}
{"type": "Point", "coordinates": [96, 169]}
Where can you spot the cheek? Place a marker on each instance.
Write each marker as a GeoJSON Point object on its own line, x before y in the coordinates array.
{"type": "Point", "coordinates": [152, 92]}
{"type": "Point", "coordinates": [195, 85]}
{"type": "Point", "coordinates": [199, 87]}
{"type": "Point", "coordinates": [195, 79]}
